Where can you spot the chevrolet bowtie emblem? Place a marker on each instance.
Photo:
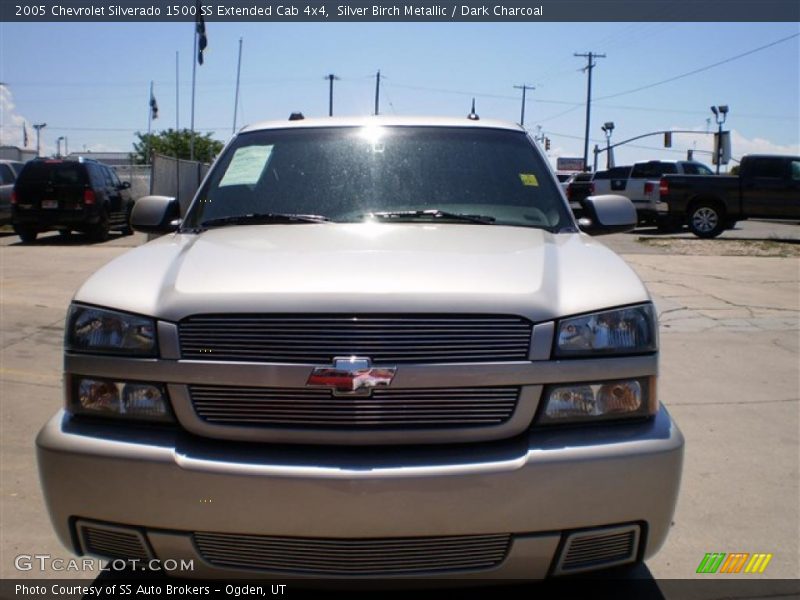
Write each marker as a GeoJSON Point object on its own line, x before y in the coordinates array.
{"type": "Point", "coordinates": [351, 376]}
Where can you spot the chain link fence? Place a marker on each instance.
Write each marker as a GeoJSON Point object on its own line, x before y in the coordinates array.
{"type": "Point", "coordinates": [138, 176]}
{"type": "Point", "coordinates": [177, 178]}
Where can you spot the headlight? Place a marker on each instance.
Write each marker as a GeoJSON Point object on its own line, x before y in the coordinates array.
{"type": "Point", "coordinates": [120, 399]}
{"type": "Point", "coordinates": [627, 398]}
{"type": "Point", "coordinates": [631, 330]}
{"type": "Point", "coordinates": [99, 330]}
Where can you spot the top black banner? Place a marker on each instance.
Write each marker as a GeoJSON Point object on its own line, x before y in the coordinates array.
{"type": "Point", "coordinates": [399, 10]}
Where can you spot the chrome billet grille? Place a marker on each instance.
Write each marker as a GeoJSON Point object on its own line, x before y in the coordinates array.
{"type": "Point", "coordinates": [350, 557]}
{"type": "Point", "coordinates": [600, 548]}
{"type": "Point", "coordinates": [385, 408]}
{"type": "Point", "coordinates": [113, 542]}
{"type": "Point", "coordinates": [384, 339]}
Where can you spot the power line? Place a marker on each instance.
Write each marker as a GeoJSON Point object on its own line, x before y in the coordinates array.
{"type": "Point", "coordinates": [701, 69]}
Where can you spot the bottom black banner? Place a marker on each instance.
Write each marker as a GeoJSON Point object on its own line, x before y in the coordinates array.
{"type": "Point", "coordinates": [617, 585]}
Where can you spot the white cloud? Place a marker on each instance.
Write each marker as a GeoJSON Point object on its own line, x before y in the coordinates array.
{"type": "Point", "coordinates": [12, 123]}
{"type": "Point", "coordinates": [740, 145]}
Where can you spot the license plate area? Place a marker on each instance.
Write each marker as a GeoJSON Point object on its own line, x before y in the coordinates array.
{"type": "Point", "coordinates": [49, 203]}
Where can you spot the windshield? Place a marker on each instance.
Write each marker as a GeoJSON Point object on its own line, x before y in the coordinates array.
{"type": "Point", "coordinates": [347, 174]}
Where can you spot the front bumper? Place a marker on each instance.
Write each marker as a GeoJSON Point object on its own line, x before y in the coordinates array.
{"type": "Point", "coordinates": [535, 487]}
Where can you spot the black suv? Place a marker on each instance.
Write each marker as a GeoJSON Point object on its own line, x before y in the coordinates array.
{"type": "Point", "coordinates": [82, 195]}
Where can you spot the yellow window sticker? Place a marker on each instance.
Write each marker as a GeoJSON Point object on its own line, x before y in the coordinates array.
{"type": "Point", "coordinates": [528, 179]}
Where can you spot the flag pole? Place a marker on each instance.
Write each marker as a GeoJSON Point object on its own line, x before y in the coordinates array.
{"type": "Point", "coordinates": [149, 123]}
{"type": "Point", "coordinates": [150, 110]}
{"type": "Point", "coordinates": [194, 79]}
{"type": "Point", "coordinates": [177, 127]}
{"type": "Point", "coordinates": [177, 92]}
{"type": "Point", "coordinates": [236, 97]}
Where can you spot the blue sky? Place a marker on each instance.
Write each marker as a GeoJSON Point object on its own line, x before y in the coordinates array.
{"type": "Point", "coordinates": [90, 81]}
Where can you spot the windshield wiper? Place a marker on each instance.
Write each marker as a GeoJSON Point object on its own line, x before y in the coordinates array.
{"type": "Point", "coordinates": [434, 214]}
{"type": "Point", "coordinates": [263, 218]}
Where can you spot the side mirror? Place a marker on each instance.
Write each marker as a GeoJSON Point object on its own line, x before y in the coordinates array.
{"type": "Point", "coordinates": [155, 214]}
{"type": "Point", "coordinates": [608, 214]}
{"type": "Point", "coordinates": [125, 185]}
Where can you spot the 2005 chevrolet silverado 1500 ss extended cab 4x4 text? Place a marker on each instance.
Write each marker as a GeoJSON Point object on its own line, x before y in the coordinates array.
{"type": "Point", "coordinates": [372, 348]}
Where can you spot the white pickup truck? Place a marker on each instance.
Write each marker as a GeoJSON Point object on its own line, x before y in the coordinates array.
{"type": "Point", "coordinates": [640, 184]}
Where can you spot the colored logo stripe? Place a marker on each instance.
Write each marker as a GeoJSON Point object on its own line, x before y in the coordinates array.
{"type": "Point", "coordinates": [758, 563]}
{"type": "Point", "coordinates": [734, 562]}
{"type": "Point", "coordinates": [711, 562]}
{"type": "Point", "coordinates": [721, 562]}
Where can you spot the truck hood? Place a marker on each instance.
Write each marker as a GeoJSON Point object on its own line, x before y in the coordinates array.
{"type": "Point", "coordinates": [366, 268]}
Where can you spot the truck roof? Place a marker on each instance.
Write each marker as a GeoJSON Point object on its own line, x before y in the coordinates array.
{"type": "Point", "coordinates": [784, 156]}
{"type": "Point", "coordinates": [384, 120]}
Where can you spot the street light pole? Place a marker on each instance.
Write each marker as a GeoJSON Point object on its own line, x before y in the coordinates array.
{"type": "Point", "coordinates": [38, 127]}
{"type": "Point", "coordinates": [720, 114]}
{"type": "Point", "coordinates": [331, 78]}
{"type": "Point", "coordinates": [607, 128]}
{"type": "Point", "coordinates": [58, 145]}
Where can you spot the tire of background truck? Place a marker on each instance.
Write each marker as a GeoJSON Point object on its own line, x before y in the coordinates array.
{"type": "Point", "coordinates": [127, 229]}
{"type": "Point", "coordinates": [26, 234]}
{"type": "Point", "coordinates": [706, 220]}
{"type": "Point", "coordinates": [99, 232]}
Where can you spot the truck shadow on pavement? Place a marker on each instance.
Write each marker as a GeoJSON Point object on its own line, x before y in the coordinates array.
{"type": "Point", "coordinates": [73, 239]}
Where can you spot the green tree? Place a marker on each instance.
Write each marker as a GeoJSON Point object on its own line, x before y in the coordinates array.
{"type": "Point", "coordinates": [172, 142]}
{"type": "Point", "coordinates": [734, 170]}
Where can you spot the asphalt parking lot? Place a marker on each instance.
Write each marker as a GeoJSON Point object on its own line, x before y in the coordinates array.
{"type": "Point", "coordinates": [730, 375]}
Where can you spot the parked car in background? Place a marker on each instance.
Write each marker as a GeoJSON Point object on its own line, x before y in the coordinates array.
{"type": "Point", "coordinates": [641, 183]}
{"type": "Point", "coordinates": [70, 195]}
{"type": "Point", "coordinates": [422, 369]}
{"type": "Point", "coordinates": [579, 187]}
{"type": "Point", "coordinates": [9, 169]}
{"type": "Point", "coordinates": [564, 177]}
{"type": "Point", "coordinates": [611, 181]}
{"type": "Point", "coordinates": [767, 187]}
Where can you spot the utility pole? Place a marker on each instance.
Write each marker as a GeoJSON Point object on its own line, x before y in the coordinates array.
{"type": "Point", "coordinates": [2, 84]}
{"type": "Point", "coordinates": [236, 95]}
{"type": "Point", "coordinates": [524, 88]}
{"type": "Point", "coordinates": [38, 127]}
{"type": "Point", "coordinates": [331, 78]}
{"type": "Point", "coordinates": [590, 64]}
{"type": "Point", "coordinates": [377, 92]}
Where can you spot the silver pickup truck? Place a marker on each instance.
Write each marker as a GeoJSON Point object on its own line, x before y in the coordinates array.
{"type": "Point", "coordinates": [372, 348]}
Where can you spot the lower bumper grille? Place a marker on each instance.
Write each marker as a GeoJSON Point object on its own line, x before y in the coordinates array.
{"type": "Point", "coordinates": [345, 557]}
{"type": "Point", "coordinates": [109, 541]}
{"type": "Point", "coordinates": [588, 550]}
{"type": "Point", "coordinates": [290, 407]}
